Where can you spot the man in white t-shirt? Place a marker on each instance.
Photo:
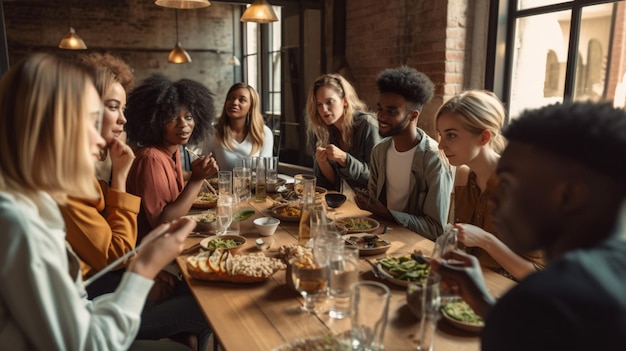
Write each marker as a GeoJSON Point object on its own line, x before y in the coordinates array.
{"type": "Point", "coordinates": [409, 181]}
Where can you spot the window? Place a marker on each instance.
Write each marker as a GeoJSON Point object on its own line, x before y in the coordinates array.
{"type": "Point", "coordinates": [555, 51]}
{"type": "Point", "coordinates": [262, 69]}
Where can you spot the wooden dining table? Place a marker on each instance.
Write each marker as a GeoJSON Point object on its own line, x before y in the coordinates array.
{"type": "Point", "coordinates": [263, 316]}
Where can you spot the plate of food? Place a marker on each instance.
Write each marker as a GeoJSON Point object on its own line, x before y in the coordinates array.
{"type": "Point", "coordinates": [319, 191]}
{"type": "Point", "coordinates": [287, 213]}
{"type": "Point", "coordinates": [205, 221]}
{"type": "Point", "coordinates": [460, 314]}
{"type": "Point", "coordinates": [367, 243]}
{"type": "Point", "coordinates": [358, 224]}
{"type": "Point", "coordinates": [205, 200]}
{"type": "Point", "coordinates": [224, 242]}
{"type": "Point", "coordinates": [223, 265]}
{"type": "Point", "coordinates": [326, 342]}
{"type": "Point", "coordinates": [403, 269]}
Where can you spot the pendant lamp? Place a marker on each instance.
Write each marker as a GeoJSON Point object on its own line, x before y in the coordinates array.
{"type": "Point", "coordinates": [178, 54]}
{"type": "Point", "coordinates": [72, 41]}
{"type": "Point", "coordinates": [260, 12]}
{"type": "Point", "coordinates": [183, 4]}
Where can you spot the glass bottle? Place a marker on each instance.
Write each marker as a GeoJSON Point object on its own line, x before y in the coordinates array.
{"type": "Point", "coordinates": [308, 200]}
{"type": "Point", "coordinates": [261, 191]}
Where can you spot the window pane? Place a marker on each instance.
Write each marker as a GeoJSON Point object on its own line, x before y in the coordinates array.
{"type": "Point", "coordinates": [539, 61]}
{"type": "Point", "coordinates": [529, 4]}
{"type": "Point", "coordinates": [592, 76]}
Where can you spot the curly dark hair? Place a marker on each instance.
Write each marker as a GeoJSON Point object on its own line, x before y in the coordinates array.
{"type": "Point", "coordinates": [592, 134]}
{"type": "Point", "coordinates": [413, 85]}
{"type": "Point", "coordinates": [153, 103]}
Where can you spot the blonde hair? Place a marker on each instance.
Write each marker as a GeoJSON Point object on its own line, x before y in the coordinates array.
{"type": "Point", "coordinates": [345, 91]}
{"type": "Point", "coordinates": [481, 110]}
{"type": "Point", "coordinates": [254, 121]}
{"type": "Point", "coordinates": [44, 142]}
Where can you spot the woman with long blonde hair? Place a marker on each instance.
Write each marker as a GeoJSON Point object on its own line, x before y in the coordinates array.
{"type": "Point", "coordinates": [343, 132]}
{"type": "Point", "coordinates": [50, 115]}
{"type": "Point", "coordinates": [469, 126]}
{"type": "Point", "coordinates": [240, 131]}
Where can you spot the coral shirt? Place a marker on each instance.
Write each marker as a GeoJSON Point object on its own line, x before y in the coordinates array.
{"type": "Point", "coordinates": [157, 177]}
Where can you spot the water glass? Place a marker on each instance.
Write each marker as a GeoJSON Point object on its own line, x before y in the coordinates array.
{"type": "Point", "coordinates": [225, 182]}
{"type": "Point", "coordinates": [368, 312]}
{"type": "Point", "coordinates": [430, 306]}
{"type": "Point", "coordinates": [224, 213]}
{"type": "Point", "coordinates": [272, 170]}
{"type": "Point", "coordinates": [344, 271]}
{"type": "Point", "coordinates": [241, 183]}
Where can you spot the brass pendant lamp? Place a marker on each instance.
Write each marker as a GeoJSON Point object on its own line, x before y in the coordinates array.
{"type": "Point", "coordinates": [260, 11]}
{"type": "Point", "coordinates": [72, 41]}
{"type": "Point", "coordinates": [178, 54]}
{"type": "Point", "coordinates": [183, 4]}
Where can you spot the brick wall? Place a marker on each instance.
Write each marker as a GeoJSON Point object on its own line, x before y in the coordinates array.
{"type": "Point", "coordinates": [138, 31]}
{"type": "Point", "coordinates": [431, 36]}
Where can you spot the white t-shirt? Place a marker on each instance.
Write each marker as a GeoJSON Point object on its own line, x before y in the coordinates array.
{"type": "Point", "coordinates": [227, 159]}
{"type": "Point", "coordinates": [397, 176]}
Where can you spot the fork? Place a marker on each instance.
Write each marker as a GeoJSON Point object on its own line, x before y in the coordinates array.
{"type": "Point", "coordinates": [208, 184]}
{"type": "Point", "coordinates": [378, 272]}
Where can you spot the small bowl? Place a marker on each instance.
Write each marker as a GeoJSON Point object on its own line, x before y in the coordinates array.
{"type": "Point", "coordinates": [266, 225]}
{"type": "Point", "coordinates": [335, 200]}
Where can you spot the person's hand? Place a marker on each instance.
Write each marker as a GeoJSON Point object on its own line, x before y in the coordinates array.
{"type": "Point", "coordinates": [336, 154]}
{"type": "Point", "coordinates": [471, 235]}
{"type": "Point", "coordinates": [203, 167]}
{"type": "Point", "coordinates": [462, 275]}
{"type": "Point", "coordinates": [365, 202]}
{"type": "Point", "coordinates": [320, 154]}
{"type": "Point", "coordinates": [122, 157]}
{"type": "Point", "coordinates": [156, 255]}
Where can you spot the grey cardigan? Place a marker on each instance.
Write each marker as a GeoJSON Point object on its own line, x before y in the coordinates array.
{"type": "Point", "coordinates": [430, 185]}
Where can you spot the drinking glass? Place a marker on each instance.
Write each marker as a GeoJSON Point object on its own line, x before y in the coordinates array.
{"type": "Point", "coordinates": [246, 164]}
{"type": "Point", "coordinates": [272, 170]}
{"type": "Point", "coordinates": [241, 183]}
{"type": "Point", "coordinates": [368, 313]}
{"type": "Point", "coordinates": [344, 271]}
{"type": "Point", "coordinates": [225, 182]}
{"type": "Point", "coordinates": [310, 278]}
{"type": "Point", "coordinates": [430, 305]}
{"type": "Point", "coordinates": [260, 194]}
{"type": "Point", "coordinates": [298, 183]}
{"type": "Point", "coordinates": [224, 213]}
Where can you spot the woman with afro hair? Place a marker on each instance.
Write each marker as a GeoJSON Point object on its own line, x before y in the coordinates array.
{"type": "Point", "coordinates": [163, 115]}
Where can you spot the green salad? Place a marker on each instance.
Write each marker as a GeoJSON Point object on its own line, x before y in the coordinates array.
{"type": "Point", "coordinates": [221, 244]}
{"type": "Point", "coordinates": [404, 268]}
{"type": "Point", "coordinates": [461, 311]}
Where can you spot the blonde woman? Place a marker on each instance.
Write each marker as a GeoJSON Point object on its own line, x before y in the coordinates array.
{"type": "Point", "coordinates": [343, 132]}
{"type": "Point", "coordinates": [469, 126]}
{"type": "Point", "coordinates": [240, 131]}
{"type": "Point", "coordinates": [50, 114]}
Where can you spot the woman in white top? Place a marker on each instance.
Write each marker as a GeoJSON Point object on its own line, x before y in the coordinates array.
{"type": "Point", "coordinates": [50, 112]}
{"type": "Point", "coordinates": [240, 131]}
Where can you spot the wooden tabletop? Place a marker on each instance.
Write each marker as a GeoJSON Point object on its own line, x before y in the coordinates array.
{"type": "Point", "coordinates": [262, 316]}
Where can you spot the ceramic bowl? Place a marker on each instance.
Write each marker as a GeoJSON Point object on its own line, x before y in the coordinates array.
{"type": "Point", "coordinates": [335, 200]}
{"type": "Point", "coordinates": [266, 225]}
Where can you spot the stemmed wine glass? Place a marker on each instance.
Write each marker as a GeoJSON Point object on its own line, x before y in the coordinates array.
{"type": "Point", "coordinates": [310, 278]}
{"type": "Point", "coordinates": [224, 213]}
